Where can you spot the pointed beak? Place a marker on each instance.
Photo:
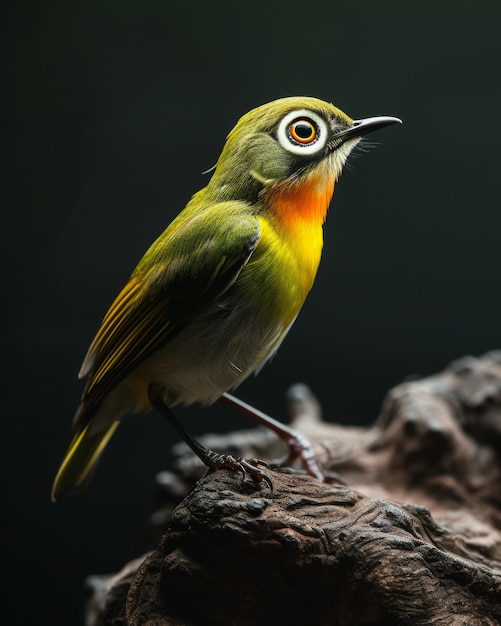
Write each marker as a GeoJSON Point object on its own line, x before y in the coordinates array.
{"type": "Point", "coordinates": [359, 128]}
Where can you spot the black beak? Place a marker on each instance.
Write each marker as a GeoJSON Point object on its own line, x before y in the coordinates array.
{"type": "Point", "coordinates": [359, 128]}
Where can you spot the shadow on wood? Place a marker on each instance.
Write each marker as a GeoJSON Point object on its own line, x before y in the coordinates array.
{"type": "Point", "coordinates": [407, 532]}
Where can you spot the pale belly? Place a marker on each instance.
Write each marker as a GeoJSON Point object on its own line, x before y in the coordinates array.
{"type": "Point", "coordinates": [215, 352]}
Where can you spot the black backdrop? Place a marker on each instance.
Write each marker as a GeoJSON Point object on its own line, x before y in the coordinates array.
{"type": "Point", "coordinates": [112, 112]}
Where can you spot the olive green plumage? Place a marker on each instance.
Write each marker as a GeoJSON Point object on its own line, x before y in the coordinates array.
{"type": "Point", "coordinates": [216, 293]}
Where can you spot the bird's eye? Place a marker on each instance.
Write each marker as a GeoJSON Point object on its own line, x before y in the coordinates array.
{"type": "Point", "coordinates": [303, 132]}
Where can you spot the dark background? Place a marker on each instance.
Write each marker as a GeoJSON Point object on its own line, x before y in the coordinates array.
{"type": "Point", "coordinates": [112, 112]}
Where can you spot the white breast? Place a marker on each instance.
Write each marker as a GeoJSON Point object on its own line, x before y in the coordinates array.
{"type": "Point", "coordinates": [215, 352]}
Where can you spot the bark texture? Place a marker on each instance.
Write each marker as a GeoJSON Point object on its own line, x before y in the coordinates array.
{"type": "Point", "coordinates": [407, 531]}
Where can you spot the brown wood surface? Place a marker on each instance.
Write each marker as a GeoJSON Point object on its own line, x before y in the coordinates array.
{"type": "Point", "coordinates": [407, 531]}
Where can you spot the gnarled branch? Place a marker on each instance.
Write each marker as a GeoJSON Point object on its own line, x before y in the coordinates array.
{"type": "Point", "coordinates": [408, 532]}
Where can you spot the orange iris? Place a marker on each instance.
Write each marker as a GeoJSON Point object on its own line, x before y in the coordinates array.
{"type": "Point", "coordinates": [303, 131]}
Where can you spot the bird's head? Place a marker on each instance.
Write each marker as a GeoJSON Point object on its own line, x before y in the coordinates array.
{"type": "Point", "coordinates": [285, 140]}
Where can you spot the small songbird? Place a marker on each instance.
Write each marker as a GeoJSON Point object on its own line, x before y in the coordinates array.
{"type": "Point", "coordinates": [214, 296]}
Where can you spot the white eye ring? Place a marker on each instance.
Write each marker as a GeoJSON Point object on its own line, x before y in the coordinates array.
{"type": "Point", "coordinates": [288, 142]}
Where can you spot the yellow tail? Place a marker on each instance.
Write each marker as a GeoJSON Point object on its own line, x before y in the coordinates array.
{"type": "Point", "coordinates": [80, 460]}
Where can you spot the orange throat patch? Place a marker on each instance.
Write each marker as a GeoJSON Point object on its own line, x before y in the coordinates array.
{"type": "Point", "coordinates": [298, 211]}
{"type": "Point", "coordinates": [303, 202]}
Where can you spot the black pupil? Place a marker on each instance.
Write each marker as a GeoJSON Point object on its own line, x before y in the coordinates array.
{"type": "Point", "coordinates": [303, 130]}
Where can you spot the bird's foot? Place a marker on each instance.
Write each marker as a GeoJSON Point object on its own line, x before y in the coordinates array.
{"type": "Point", "coordinates": [213, 460]}
{"type": "Point", "coordinates": [300, 447]}
{"type": "Point", "coordinates": [248, 467]}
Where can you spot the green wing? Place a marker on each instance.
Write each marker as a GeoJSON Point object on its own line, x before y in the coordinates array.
{"type": "Point", "coordinates": [196, 259]}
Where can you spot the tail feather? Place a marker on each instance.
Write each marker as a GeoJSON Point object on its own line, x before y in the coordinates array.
{"type": "Point", "coordinates": [81, 459]}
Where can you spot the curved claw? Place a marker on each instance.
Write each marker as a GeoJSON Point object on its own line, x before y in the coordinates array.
{"type": "Point", "coordinates": [251, 466]}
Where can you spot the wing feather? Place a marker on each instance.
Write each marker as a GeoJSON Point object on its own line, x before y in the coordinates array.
{"type": "Point", "coordinates": [196, 259]}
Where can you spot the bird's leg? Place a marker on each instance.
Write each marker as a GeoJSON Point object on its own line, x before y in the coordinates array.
{"type": "Point", "coordinates": [211, 459]}
{"type": "Point", "coordinates": [299, 446]}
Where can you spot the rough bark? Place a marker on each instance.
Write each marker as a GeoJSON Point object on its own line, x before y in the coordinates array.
{"type": "Point", "coordinates": [407, 532]}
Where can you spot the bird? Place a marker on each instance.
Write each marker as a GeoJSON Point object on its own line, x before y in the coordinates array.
{"type": "Point", "coordinates": [216, 293]}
